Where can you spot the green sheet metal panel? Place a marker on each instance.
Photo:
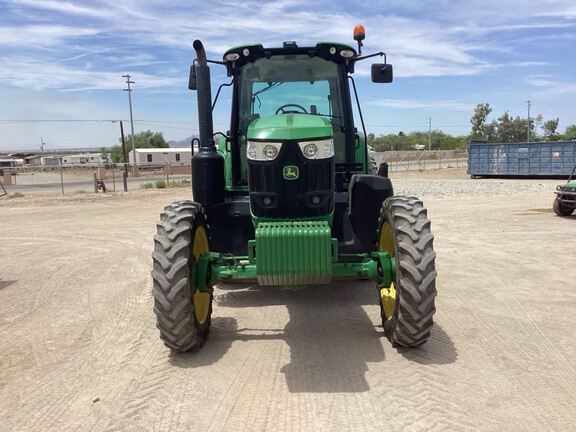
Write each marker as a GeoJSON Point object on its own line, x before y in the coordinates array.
{"type": "Point", "coordinates": [293, 253]}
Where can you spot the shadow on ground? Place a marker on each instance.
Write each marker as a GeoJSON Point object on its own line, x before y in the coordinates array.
{"type": "Point", "coordinates": [6, 283]}
{"type": "Point", "coordinates": [331, 337]}
{"type": "Point", "coordinates": [438, 350]}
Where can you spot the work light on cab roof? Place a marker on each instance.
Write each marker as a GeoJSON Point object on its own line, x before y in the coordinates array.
{"type": "Point", "coordinates": [288, 195]}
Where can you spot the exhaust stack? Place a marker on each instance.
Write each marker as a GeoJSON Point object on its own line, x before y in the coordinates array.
{"type": "Point", "coordinates": [207, 165]}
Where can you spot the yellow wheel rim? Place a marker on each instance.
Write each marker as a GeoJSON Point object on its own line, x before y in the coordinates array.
{"type": "Point", "coordinates": [387, 295]}
{"type": "Point", "coordinates": [386, 242]}
{"type": "Point", "coordinates": [201, 300]}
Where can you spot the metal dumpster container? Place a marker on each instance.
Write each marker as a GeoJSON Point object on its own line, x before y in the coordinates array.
{"type": "Point", "coordinates": [529, 159]}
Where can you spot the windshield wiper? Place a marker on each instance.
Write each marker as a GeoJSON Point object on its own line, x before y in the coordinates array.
{"type": "Point", "coordinates": [272, 85]}
{"type": "Point", "coordinates": [255, 95]}
{"type": "Point", "coordinates": [326, 115]}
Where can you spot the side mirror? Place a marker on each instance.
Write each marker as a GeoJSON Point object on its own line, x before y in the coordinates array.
{"type": "Point", "coordinates": [192, 78]}
{"type": "Point", "coordinates": [382, 73]}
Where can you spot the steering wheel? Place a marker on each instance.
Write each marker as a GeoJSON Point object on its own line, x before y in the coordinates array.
{"type": "Point", "coordinates": [300, 107]}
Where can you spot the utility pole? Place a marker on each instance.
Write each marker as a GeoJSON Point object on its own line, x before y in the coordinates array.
{"type": "Point", "coordinates": [123, 148]}
{"type": "Point", "coordinates": [429, 133]}
{"type": "Point", "coordinates": [42, 144]}
{"type": "Point", "coordinates": [528, 127]}
{"type": "Point", "coordinates": [129, 90]}
{"type": "Point", "coordinates": [125, 173]}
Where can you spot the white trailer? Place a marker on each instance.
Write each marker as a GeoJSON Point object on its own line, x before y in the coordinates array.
{"type": "Point", "coordinates": [84, 159]}
{"type": "Point", "coordinates": [161, 156]}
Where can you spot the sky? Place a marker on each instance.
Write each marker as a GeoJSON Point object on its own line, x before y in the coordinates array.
{"type": "Point", "coordinates": [64, 60]}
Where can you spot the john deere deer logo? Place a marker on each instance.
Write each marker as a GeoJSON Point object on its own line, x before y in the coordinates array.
{"type": "Point", "coordinates": [291, 172]}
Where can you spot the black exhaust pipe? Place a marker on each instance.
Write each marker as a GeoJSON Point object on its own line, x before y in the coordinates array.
{"type": "Point", "coordinates": [207, 165]}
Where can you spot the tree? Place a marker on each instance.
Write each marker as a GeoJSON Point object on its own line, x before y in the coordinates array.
{"type": "Point", "coordinates": [402, 141]}
{"type": "Point", "coordinates": [478, 121]}
{"type": "Point", "coordinates": [538, 122]}
{"type": "Point", "coordinates": [491, 131]}
{"type": "Point", "coordinates": [510, 129]}
{"type": "Point", "coordinates": [570, 132]}
{"type": "Point", "coordinates": [146, 139]}
{"type": "Point", "coordinates": [549, 128]}
{"type": "Point", "coordinates": [371, 139]}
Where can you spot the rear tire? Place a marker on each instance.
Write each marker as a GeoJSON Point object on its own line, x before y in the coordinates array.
{"type": "Point", "coordinates": [182, 311]}
{"type": "Point", "coordinates": [407, 307]}
{"type": "Point", "coordinates": [560, 210]}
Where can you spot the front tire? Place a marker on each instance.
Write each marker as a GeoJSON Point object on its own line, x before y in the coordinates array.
{"type": "Point", "coordinates": [407, 306]}
{"type": "Point", "coordinates": [560, 210]}
{"type": "Point", "coordinates": [182, 311]}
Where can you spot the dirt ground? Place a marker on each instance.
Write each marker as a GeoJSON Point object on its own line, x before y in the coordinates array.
{"type": "Point", "coordinates": [79, 350]}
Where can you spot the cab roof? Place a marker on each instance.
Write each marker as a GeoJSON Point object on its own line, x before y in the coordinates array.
{"type": "Point", "coordinates": [236, 57]}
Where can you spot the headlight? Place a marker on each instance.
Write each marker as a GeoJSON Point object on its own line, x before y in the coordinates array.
{"type": "Point", "coordinates": [263, 151]}
{"type": "Point", "coordinates": [270, 152]}
{"type": "Point", "coordinates": [321, 149]}
{"type": "Point", "coordinates": [310, 150]}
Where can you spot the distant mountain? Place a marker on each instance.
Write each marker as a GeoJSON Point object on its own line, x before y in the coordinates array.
{"type": "Point", "coordinates": [183, 143]}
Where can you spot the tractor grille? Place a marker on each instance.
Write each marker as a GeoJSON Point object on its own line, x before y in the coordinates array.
{"type": "Point", "coordinates": [310, 195]}
{"type": "Point", "coordinates": [293, 253]}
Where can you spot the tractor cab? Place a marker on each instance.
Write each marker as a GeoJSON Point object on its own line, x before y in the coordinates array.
{"type": "Point", "coordinates": [307, 84]}
{"type": "Point", "coordinates": [311, 86]}
{"type": "Point", "coordinates": [287, 196]}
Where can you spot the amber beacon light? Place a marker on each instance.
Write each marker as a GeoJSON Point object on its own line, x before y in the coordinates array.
{"type": "Point", "coordinates": [359, 36]}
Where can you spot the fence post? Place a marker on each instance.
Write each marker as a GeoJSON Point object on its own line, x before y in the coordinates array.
{"type": "Point", "coordinates": [124, 175]}
{"type": "Point", "coordinates": [95, 183]}
{"type": "Point", "coordinates": [62, 178]}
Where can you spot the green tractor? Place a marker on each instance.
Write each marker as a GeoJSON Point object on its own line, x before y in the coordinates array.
{"type": "Point", "coordinates": [287, 197]}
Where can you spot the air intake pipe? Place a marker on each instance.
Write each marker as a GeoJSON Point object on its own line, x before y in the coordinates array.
{"type": "Point", "coordinates": [207, 165]}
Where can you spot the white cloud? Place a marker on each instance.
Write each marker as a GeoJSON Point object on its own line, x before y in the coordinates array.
{"type": "Point", "coordinates": [550, 86]}
{"type": "Point", "coordinates": [24, 73]}
{"type": "Point", "coordinates": [425, 45]}
{"type": "Point", "coordinates": [42, 35]}
{"type": "Point", "coordinates": [566, 13]}
{"type": "Point", "coordinates": [444, 105]}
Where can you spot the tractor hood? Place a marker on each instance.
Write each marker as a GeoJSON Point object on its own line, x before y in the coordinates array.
{"type": "Point", "coordinates": [286, 127]}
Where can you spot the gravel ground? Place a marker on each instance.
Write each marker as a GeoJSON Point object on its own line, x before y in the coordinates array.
{"type": "Point", "coordinates": [79, 350]}
{"type": "Point", "coordinates": [473, 188]}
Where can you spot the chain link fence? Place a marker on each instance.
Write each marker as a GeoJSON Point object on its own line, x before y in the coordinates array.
{"type": "Point", "coordinates": [93, 179]}
{"type": "Point", "coordinates": [420, 160]}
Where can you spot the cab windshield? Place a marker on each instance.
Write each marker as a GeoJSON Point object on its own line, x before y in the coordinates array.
{"type": "Point", "coordinates": [290, 84]}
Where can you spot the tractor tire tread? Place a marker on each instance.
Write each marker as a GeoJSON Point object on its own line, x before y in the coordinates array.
{"type": "Point", "coordinates": [172, 293]}
{"type": "Point", "coordinates": [416, 278]}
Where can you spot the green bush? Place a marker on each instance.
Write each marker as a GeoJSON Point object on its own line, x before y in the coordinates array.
{"type": "Point", "coordinates": [160, 184]}
{"type": "Point", "coordinates": [177, 184]}
{"type": "Point", "coordinates": [16, 195]}
{"type": "Point", "coordinates": [146, 186]}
